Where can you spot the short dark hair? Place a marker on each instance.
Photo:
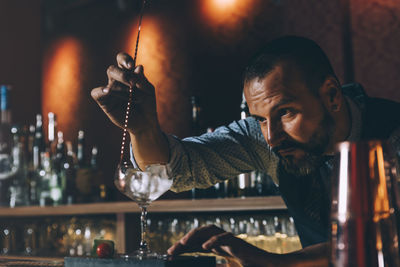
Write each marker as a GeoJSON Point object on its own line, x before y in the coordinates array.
{"type": "Point", "coordinates": [302, 53]}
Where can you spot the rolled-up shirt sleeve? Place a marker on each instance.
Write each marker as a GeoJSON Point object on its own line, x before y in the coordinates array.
{"type": "Point", "coordinates": [213, 157]}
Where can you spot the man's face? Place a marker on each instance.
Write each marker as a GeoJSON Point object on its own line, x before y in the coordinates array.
{"type": "Point", "coordinates": [294, 122]}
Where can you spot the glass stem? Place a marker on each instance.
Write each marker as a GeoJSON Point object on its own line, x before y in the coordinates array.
{"type": "Point", "coordinates": [143, 227]}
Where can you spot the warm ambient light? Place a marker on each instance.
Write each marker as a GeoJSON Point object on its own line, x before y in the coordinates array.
{"type": "Point", "coordinates": [162, 60]}
{"type": "Point", "coordinates": [152, 51]}
{"type": "Point", "coordinates": [62, 79]}
{"type": "Point", "coordinates": [226, 11]}
{"type": "Point", "coordinates": [223, 4]}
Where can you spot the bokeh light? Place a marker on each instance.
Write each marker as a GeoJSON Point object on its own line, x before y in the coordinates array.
{"type": "Point", "coordinates": [151, 51]}
{"type": "Point", "coordinates": [226, 12]}
{"type": "Point", "coordinates": [62, 79]}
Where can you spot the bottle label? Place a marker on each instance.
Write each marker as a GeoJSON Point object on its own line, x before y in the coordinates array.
{"type": "Point", "coordinates": [55, 194]}
{"type": "Point", "coordinates": [242, 181]}
{"type": "Point", "coordinates": [7, 168]}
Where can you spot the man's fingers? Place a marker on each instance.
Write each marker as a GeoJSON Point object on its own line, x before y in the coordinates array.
{"type": "Point", "coordinates": [117, 74]}
{"type": "Point", "coordinates": [193, 240]}
{"type": "Point", "coordinates": [125, 61]}
{"type": "Point", "coordinates": [117, 87]}
{"type": "Point", "coordinates": [218, 240]}
{"type": "Point", "coordinates": [176, 249]}
{"type": "Point", "coordinates": [99, 93]}
{"type": "Point", "coordinates": [129, 78]}
{"type": "Point", "coordinates": [189, 236]}
{"type": "Point", "coordinates": [105, 95]}
{"type": "Point", "coordinates": [187, 243]}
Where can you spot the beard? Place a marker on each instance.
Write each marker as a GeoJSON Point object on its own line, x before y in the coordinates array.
{"type": "Point", "coordinates": [313, 150]}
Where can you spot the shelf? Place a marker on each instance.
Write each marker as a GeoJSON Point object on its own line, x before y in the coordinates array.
{"type": "Point", "coordinates": [30, 261]}
{"type": "Point", "coordinates": [180, 205]}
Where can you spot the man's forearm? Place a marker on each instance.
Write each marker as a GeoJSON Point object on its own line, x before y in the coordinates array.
{"type": "Point", "coordinates": [150, 147]}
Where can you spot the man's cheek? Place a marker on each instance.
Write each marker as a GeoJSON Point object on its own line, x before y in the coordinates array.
{"type": "Point", "coordinates": [264, 132]}
{"type": "Point", "coordinates": [299, 131]}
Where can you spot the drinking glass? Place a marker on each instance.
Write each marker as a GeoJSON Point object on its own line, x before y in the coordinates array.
{"type": "Point", "coordinates": [143, 187]}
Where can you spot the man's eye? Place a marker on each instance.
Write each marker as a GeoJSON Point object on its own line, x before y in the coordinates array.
{"type": "Point", "coordinates": [286, 112]}
{"type": "Point", "coordinates": [259, 119]}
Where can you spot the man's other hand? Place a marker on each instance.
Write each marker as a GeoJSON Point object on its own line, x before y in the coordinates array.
{"type": "Point", "coordinates": [213, 239]}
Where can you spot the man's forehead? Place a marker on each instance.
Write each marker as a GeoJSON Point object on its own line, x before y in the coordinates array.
{"type": "Point", "coordinates": [279, 81]}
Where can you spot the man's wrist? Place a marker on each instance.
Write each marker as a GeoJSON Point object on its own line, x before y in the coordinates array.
{"type": "Point", "coordinates": [149, 147]}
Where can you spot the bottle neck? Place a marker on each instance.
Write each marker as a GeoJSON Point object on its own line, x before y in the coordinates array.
{"type": "Point", "coordinates": [80, 152]}
{"type": "Point", "coordinates": [52, 127]}
{"type": "Point", "coordinates": [60, 152]}
{"type": "Point", "coordinates": [80, 156]}
{"type": "Point", "coordinates": [93, 162]}
{"type": "Point", "coordinates": [5, 116]}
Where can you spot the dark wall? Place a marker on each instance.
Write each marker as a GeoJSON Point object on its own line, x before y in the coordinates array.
{"type": "Point", "coordinates": [375, 28]}
{"type": "Point", "coordinates": [20, 56]}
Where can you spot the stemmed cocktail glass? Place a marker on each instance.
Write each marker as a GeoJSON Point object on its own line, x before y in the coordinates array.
{"type": "Point", "coordinates": [142, 186]}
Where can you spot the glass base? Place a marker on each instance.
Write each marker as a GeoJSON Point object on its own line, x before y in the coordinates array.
{"type": "Point", "coordinates": [144, 254]}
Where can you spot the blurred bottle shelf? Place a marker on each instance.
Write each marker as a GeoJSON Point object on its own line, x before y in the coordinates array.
{"type": "Point", "coordinates": [30, 261]}
{"type": "Point", "coordinates": [180, 205]}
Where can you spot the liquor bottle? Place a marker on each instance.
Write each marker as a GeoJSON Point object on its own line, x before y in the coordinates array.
{"type": "Point", "coordinates": [101, 194]}
{"type": "Point", "coordinates": [30, 140]}
{"type": "Point", "coordinates": [51, 133]}
{"type": "Point", "coordinates": [55, 183]}
{"type": "Point", "coordinates": [265, 186]}
{"type": "Point", "coordinates": [18, 188]}
{"type": "Point", "coordinates": [44, 176]}
{"type": "Point", "coordinates": [254, 181]}
{"type": "Point", "coordinates": [243, 184]}
{"type": "Point", "coordinates": [220, 190]}
{"type": "Point", "coordinates": [6, 164]}
{"type": "Point", "coordinates": [84, 176]}
{"type": "Point", "coordinates": [48, 182]}
{"type": "Point", "coordinates": [60, 155]}
{"type": "Point", "coordinates": [32, 169]}
{"type": "Point", "coordinates": [80, 152]}
{"type": "Point", "coordinates": [39, 145]}
{"type": "Point", "coordinates": [70, 174]}
{"type": "Point", "coordinates": [93, 158]}
{"type": "Point", "coordinates": [231, 186]}
{"type": "Point", "coordinates": [59, 161]}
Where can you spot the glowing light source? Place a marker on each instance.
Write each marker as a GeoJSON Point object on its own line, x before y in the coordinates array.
{"type": "Point", "coordinates": [226, 12]}
{"type": "Point", "coordinates": [224, 4]}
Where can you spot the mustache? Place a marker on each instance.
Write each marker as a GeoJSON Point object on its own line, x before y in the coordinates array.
{"type": "Point", "coordinates": [289, 144]}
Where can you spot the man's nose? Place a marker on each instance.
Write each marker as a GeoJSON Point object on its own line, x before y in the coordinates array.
{"type": "Point", "coordinates": [273, 133]}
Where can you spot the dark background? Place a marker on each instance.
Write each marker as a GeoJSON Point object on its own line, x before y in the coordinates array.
{"type": "Point", "coordinates": [53, 52]}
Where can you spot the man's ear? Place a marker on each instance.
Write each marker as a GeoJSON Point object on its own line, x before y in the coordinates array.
{"type": "Point", "coordinates": [331, 94]}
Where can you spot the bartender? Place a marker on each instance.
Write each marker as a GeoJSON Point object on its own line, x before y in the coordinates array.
{"type": "Point", "coordinates": [299, 111]}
